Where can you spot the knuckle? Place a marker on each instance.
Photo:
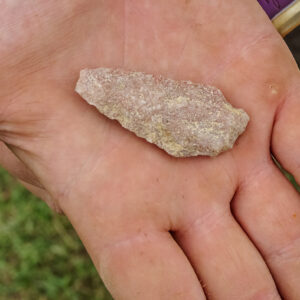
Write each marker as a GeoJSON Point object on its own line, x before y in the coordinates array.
{"type": "Point", "coordinates": [291, 251]}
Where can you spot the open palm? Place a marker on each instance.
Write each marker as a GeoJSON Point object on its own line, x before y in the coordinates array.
{"type": "Point", "coordinates": [158, 227]}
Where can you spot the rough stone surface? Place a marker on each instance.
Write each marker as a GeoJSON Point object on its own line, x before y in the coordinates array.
{"type": "Point", "coordinates": [183, 118]}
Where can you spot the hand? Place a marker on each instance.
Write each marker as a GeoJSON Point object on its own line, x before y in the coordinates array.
{"type": "Point", "coordinates": [158, 227]}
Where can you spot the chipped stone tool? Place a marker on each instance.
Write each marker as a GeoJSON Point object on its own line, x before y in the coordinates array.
{"type": "Point", "coordinates": [181, 117]}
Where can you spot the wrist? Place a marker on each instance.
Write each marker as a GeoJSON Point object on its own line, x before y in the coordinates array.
{"type": "Point", "coordinates": [274, 7]}
{"type": "Point", "coordinates": [285, 14]}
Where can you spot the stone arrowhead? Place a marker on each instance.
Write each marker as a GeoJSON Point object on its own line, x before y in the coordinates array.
{"type": "Point", "coordinates": [183, 118]}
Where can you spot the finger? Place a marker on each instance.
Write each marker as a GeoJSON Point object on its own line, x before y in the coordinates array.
{"type": "Point", "coordinates": [225, 260]}
{"type": "Point", "coordinates": [268, 208]}
{"type": "Point", "coordinates": [286, 133]}
{"type": "Point", "coordinates": [15, 166]}
{"type": "Point", "coordinates": [148, 266]}
{"type": "Point", "coordinates": [42, 194]}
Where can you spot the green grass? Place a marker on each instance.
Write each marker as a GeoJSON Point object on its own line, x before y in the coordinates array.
{"type": "Point", "coordinates": [41, 256]}
{"type": "Point", "coordinates": [289, 176]}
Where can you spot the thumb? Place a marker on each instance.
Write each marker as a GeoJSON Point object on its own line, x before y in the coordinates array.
{"type": "Point", "coordinates": [286, 132]}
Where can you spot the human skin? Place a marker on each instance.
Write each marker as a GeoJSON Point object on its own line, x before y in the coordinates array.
{"type": "Point", "coordinates": [157, 227]}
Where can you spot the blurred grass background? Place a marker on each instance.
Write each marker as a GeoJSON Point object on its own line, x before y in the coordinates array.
{"type": "Point", "coordinates": [41, 256]}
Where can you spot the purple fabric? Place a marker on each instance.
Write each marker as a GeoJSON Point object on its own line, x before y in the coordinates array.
{"type": "Point", "coordinates": [273, 7]}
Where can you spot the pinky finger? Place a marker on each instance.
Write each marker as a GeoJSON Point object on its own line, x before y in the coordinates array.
{"type": "Point", "coordinates": [10, 162]}
{"type": "Point", "coordinates": [42, 194]}
{"type": "Point", "coordinates": [286, 134]}
{"type": "Point", "coordinates": [15, 167]}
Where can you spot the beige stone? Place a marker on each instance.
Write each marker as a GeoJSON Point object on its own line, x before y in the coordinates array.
{"type": "Point", "coordinates": [181, 117]}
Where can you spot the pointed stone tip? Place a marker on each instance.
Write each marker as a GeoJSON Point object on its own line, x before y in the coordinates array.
{"type": "Point", "coordinates": [82, 84]}
{"type": "Point", "coordinates": [183, 118]}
